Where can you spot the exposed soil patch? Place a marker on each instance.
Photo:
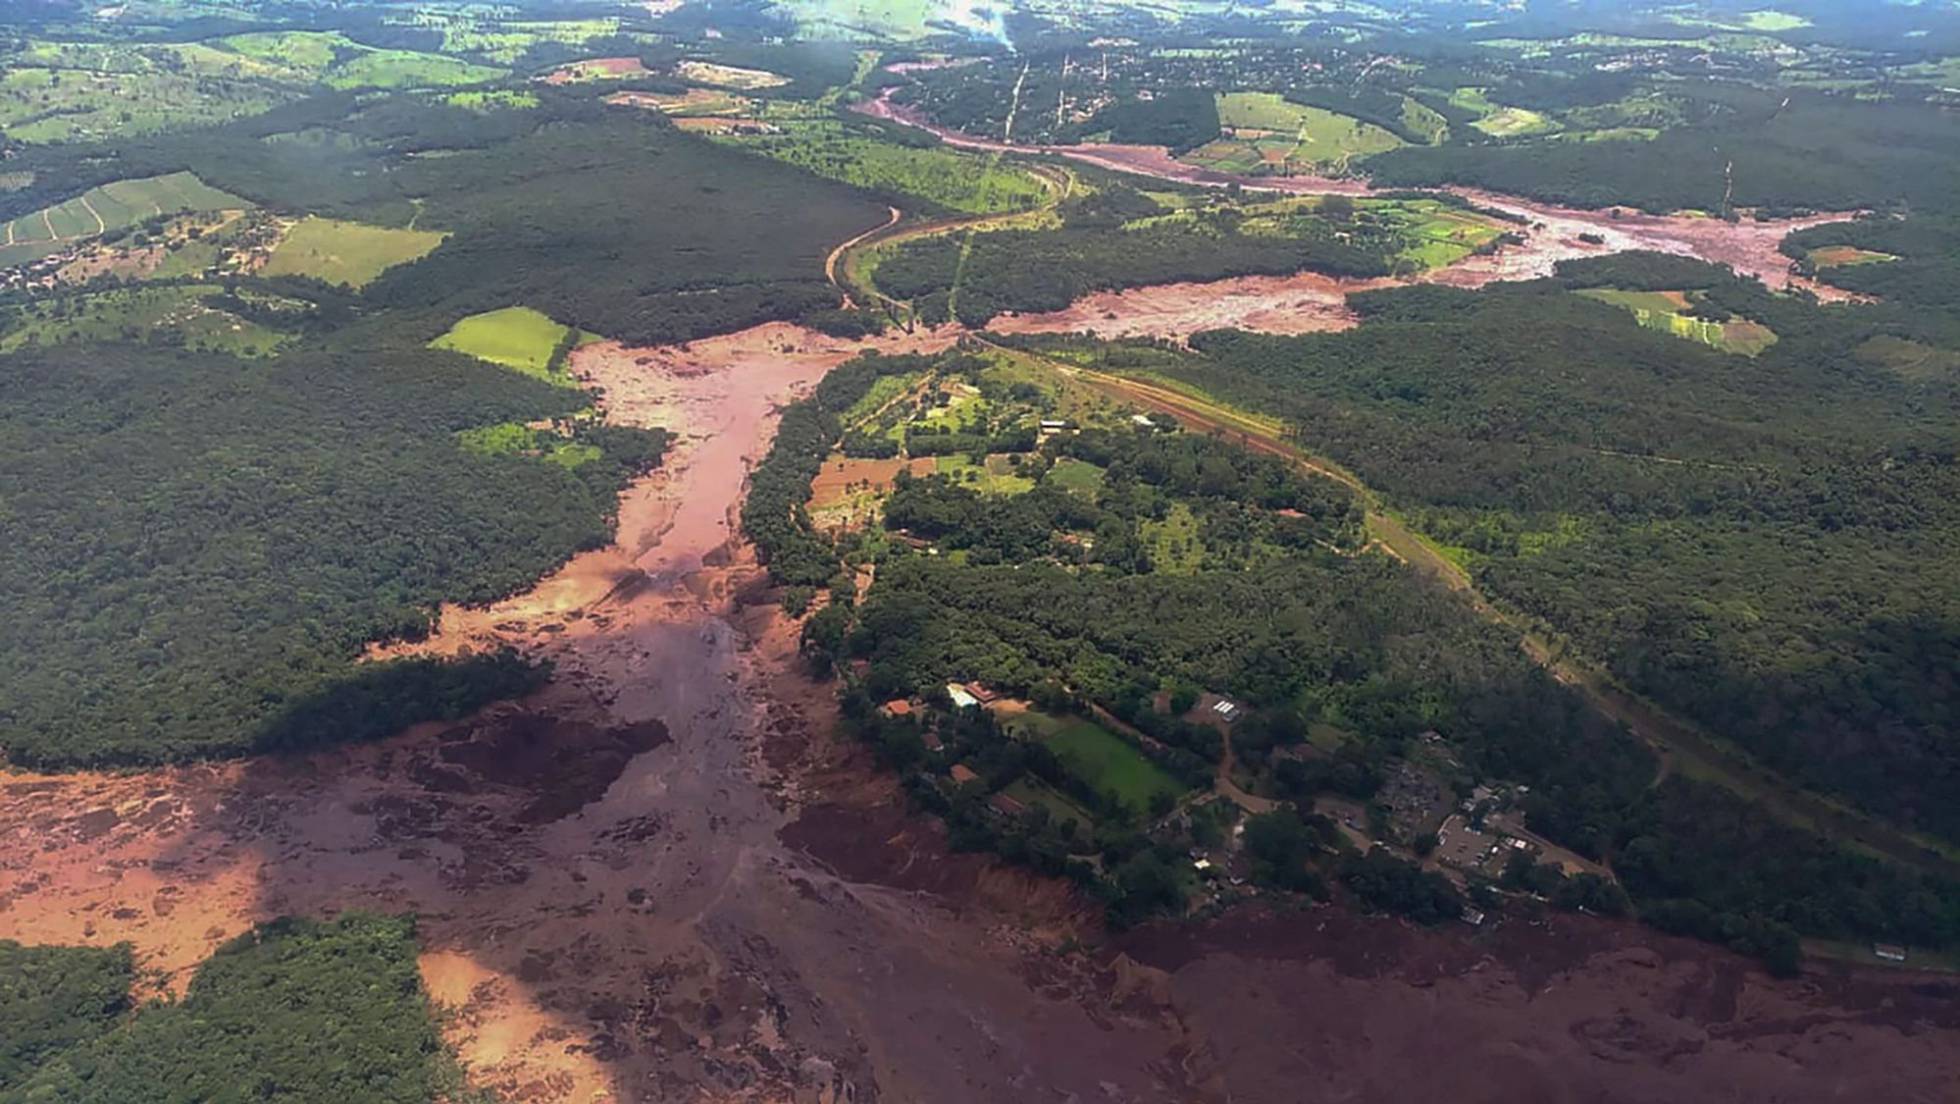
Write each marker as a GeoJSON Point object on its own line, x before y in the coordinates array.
{"type": "Point", "coordinates": [842, 477]}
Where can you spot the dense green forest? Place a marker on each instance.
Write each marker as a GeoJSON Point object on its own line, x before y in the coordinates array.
{"type": "Point", "coordinates": [203, 545]}
{"type": "Point", "coordinates": [296, 1011]}
{"type": "Point", "coordinates": [578, 209]}
{"type": "Point", "coordinates": [1756, 542]}
{"type": "Point", "coordinates": [1879, 154]}
{"type": "Point", "coordinates": [54, 998]}
{"type": "Point", "coordinates": [1059, 599]}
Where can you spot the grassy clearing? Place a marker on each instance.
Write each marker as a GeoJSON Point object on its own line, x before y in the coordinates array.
{"type": "Point", "coordinates": [333, 59]}
{"type": "Point", "coordinates": [517, 338]}
{"type": "Point", "coordinates": [729, 76]}
{"type": "Point", "coordinates": [1103, 759]}
{"type": "Point", "coordinates": [1031, 791]}
{"type": "Point", "coordinates": [507, 41]}
{"type": "Point", "coordinates": [517, 439]}
{"type": "Point", "coordinates": [498, 100]}
{"type": "Point", "coordinates": [695, 103]}
{"type": "Point", "coordinates": [1175, 546]}
{"type": "Point", "coordinates": [177, 315]}
{"type": "Point", "coordinates": [1425, 120]}
{"type": "Point", "coordinates": [1267, 130]}
{"type": "Point", "coordinates": [1499, 120]}
{"type": "Point", "coordinates": [1665, 311]}
{"type": "Point", "coordinates": [347, 253]}
{"type": "Point", "coordinates": [1437, 234]}
{"type": "Point", "coordinates": [82, 104]}
{"type": "Point", "coordinates": [408, 69]}
{"type": "Point", "coordinates": [882, 392]}
{"type": "Point", "coordinates": [995, 477]}
{"type": "Point", "coordinates": [1834, 256]}
{"type": "Point", "coordinates": [112, 206]}
{"type": "Point", "coordinates": [1910, 360]}
{"type": "Point", "coordinates": [1076, 476]}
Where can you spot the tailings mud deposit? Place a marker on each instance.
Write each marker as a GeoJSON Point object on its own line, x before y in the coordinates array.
{"type": "Point", "coordinates": [662, 879]}
{"type": "Point", "coordinates": [1310, 303]}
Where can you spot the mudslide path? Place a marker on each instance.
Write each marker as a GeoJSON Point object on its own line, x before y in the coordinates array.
{"type": "Point", "coordinates": [1310, 302]}
{"type": "Point", "coordinates": [663, 879]}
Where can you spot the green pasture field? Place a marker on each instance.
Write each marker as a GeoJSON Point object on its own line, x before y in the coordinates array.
{"type": "Point", "coordinates": [1498, 120]}
{"type": "Point", "coordinates": [1609, 134]}
{"type": "Point", "coordinates": [337, 61]}
{"type": "Point", "coordinates": [1834, 256]}
{"type": "Point", "coordinates": [176, 314]}
{"type": "Point", "coordinates": [1076, 476]}
{"type": "Point", "coordinates": [882, 391]}
{"type": "Point", "coordinates": [996, 477]}
{"type": "Point", "coordinates": [969, 183]}
{"type": "Point", "coordinates": [1031, 791]}
{"type": "Point", "coordinates": [518, 338]}
{"type": "Point", "coordinates": [1910, 360]}
{"type": "Point", "coordinates": [408, 69]}
{"type": "Point", "coordinates": [62, 105]}
{"type": "Point", "coordinates": [1657, 311]}
{"type": "Point", "coordinates": [347, 253]}
{"type": "Point", "coordinates": [1103, 759]}
{"type": "Point", "coordinates": [1424, 119]}
{"type": "Point", "coordinates": [1301, 135]}
{"type": "Point", "coordinates": [505, 41]}
{"type": "Point", "coordinates": [1438, 233]}
{"type": "Point", "coordinates": [111, 206]}
{"type": "Point", "coordinates": [492, 100]}
{"type": "Point", "coordinates": [1429, 233]}
{"type": "Point", "coordinates": [898, 20]}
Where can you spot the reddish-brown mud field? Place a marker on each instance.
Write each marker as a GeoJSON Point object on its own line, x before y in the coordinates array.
{"type": "Point", "coordinates": [1310, 302]}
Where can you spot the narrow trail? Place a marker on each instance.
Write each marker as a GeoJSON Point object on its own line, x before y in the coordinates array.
{"type": "Point", "coordinates": [1014, 105]}
{"type": "Point", "coordinates": [1678, 744]}
{"type": "Point", "coordinates": [100, 226]}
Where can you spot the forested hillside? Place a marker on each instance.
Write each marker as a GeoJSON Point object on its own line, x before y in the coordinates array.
{"type": "Point", "coordinates": [295, 1011]}
{"type": "Point", "coordinates": [203, 545]}
{"type": "Point", "coordinates": [1756, 542]}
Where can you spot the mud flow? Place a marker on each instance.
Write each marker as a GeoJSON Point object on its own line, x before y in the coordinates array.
{"type": "Point", "coordinates": [1312, 303]}
{"type": "Point", "coordinates": [662, 879]}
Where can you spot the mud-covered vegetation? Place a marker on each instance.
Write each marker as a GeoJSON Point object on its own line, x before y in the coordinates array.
{"type": "Point", "coordinates": [293, 1011]}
